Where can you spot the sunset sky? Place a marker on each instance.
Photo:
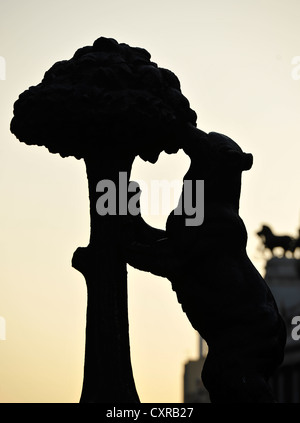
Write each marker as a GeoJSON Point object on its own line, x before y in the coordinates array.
{"type": "Point", "coordinates": [237, 62]}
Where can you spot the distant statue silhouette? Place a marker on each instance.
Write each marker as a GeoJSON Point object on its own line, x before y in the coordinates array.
{"type": "Point", "coordinates": [271, 241]}
{"type": "Point", "coordinates": [297, 241]}
{"type": "Point", "coordinates": [225, 298]}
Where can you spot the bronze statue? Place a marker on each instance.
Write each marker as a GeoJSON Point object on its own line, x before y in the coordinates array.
{"type": "Point", "coordinates": [106, 105]}
{"type": "Point", "coordinates": [297, 241]}
{"type": "Point", "coordinates": [271, 241]}
{"type": "Point", "coordinates": [225, 298]}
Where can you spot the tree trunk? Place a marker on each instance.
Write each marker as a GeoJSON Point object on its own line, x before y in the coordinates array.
{"type": "Point", "coordinates": [108, 373]}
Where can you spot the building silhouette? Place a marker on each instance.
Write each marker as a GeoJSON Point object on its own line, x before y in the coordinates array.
{"type": "Point", "coordinates": [194, 390]}
{"type": "Point", "coordinates": [282, 274]}
{"type": "Point", "coordinates": [283, 277]}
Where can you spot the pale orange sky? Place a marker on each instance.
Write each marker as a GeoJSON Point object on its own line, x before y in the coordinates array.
{"type": "Point", "coordinates": [234, 61]}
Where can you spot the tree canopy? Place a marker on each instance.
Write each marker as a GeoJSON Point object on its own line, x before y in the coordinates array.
{"type": "Point", "coordinates": [108, 97]}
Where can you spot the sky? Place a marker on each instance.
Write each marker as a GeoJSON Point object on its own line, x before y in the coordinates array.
{"type": "Point", "coordinates": [238, 64]}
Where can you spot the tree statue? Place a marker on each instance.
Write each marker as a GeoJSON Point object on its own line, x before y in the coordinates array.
{"type": "Point", "coordinates": [225, 298]}
{"type": "Point", "coordinates": [106, 105]}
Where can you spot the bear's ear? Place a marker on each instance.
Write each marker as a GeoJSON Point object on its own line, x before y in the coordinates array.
{"type": "Point", "coordinates": [239, 160]}
{"type": "Point", "coordinates": [247, 161]}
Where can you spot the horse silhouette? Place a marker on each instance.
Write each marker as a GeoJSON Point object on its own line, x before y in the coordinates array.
{"type": "Point", "coordinates": [296, 243]}
{"type": "Point", "coordinates": [271, 241]}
